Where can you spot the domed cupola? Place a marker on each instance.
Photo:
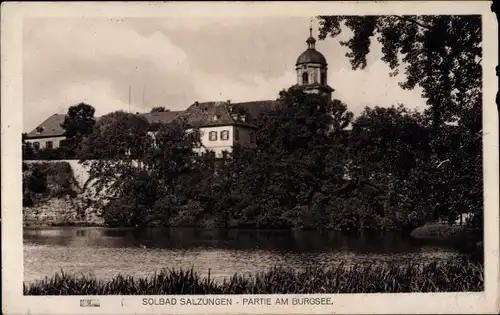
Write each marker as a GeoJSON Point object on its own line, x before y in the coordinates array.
{"type": "Point", "coordinates": [311, 55]}
{"type": "Point", "coordinates": [312, 69]}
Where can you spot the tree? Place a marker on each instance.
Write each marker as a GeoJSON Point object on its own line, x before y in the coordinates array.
{"type": "Point", "coordinates": [78, 123]}
{"type": "Point", "coordinates": [388, 141]}
{"type": "Point", "coordinates": [143, 175]}
{"type": "Point", "coordinates": [114, 151]}
{"type": "Point", "coordinates": [442, 55]}
{"type": "Point", "coordinates": [277, 184]}
{"type": "Point", "coordinates": [159, 109]}
{"type": "Point", "coordinates": [118, 135]}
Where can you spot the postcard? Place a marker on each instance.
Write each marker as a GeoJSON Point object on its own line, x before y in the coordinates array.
{"type": "Point", "coordinates": [250, 157]}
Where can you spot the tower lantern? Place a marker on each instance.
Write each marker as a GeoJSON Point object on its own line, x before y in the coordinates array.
{"type": "Point", "coordinates": [312, 69]}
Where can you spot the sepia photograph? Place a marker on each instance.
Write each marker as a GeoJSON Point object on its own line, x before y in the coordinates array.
{"type": "Point", "coordinates": [191, 159]}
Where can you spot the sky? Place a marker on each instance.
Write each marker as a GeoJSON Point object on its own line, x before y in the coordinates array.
{"type": "Point", "coordinates": [176, 61]}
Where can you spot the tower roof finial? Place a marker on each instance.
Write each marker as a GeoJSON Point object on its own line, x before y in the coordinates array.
{"type": "Point", "coordinates": [310, 27]}
{"type": "Point", "coordinates": [310, 41]}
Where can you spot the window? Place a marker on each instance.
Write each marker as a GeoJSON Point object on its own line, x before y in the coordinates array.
{"type": "Point", "coordinates": [236, 134]}
{"type": "Point", "coordinates": [36, 146]}
{"type": "Point", "coordinates": [224, 135]}
{"type": "Point", "coordinates": [323, 78]}
{"type": "Point", "coordinates": [212, 135]}
{"type": "Point", "coordinates": [305, 78]}
{"type": "Point", "coordinates": [252, 137]}
{"type": "Point", "coordinates": [215, 118]}
{"type": "Point", "coordinates": [49, 145]}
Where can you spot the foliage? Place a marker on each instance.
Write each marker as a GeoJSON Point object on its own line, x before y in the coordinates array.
{"type": "Point", "coordinates": [77, 124]}
{"type": "Point", "coordinates": [451, 276]}
{"type": "Point", "coordinates": [441, 55]}
{"type": "Point", "coordinates": [159, 109]}
{"type": "Point", "coordinates": [46, 180]}
{"type": "Point", "coordinates": [135, 169]}
{"type": "Point", "coordinates": [61, 153]}
{"type": "Point", "coordinates": [308, 171]}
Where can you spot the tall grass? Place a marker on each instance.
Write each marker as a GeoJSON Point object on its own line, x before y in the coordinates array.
{"type": "Point", "coordinates": [433, 277]}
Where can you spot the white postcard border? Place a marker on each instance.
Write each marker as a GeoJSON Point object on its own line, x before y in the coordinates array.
{"type": "Point", "coordinates": [13, 301]}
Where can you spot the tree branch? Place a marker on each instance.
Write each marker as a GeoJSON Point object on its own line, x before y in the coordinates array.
{"type": "Point", "coordinates": [408, 19]}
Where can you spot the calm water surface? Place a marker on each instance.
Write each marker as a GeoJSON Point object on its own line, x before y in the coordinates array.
{"type": "Point", "coordinates": [105, 252]}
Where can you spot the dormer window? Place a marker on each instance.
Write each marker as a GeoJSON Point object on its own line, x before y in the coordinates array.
{"type": "Point", "coordinates": [215, 118]}
{"type": "Point", "coordinates": [39, 129]}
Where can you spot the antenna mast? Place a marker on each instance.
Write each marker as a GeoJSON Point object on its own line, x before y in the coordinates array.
{"type": "Point", "coordinates": [129, 97]}
{"type": "Point", "coordinates": [143, 94]}
{"type": "Point", "coordinates": [311, 27]}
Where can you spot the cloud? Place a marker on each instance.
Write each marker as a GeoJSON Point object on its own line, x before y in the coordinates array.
{"type": "Point", "coordinates": [372, 87]}
{"type": "Point", "coordinates": [68, 61]}
{"type": "Point", "coordinates": [246, 87]}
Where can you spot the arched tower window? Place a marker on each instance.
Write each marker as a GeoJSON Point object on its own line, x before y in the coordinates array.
{"type": "Point", "coordinates": [323, 78]}
{"type": "Point", "coordinates": [305, 78]}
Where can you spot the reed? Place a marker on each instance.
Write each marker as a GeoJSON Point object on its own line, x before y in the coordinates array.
{"type": "Point", "coordinates": [451, 276]}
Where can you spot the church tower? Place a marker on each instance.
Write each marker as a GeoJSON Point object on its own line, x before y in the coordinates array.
{"type": "Point", "coordinates": [312, 70]}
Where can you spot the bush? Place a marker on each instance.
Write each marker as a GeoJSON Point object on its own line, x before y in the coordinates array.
{"type": "Point", "coordinates": [47, 180]}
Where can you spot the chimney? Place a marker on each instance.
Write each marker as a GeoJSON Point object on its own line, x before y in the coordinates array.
{"type": "Point", "coordinates": [228, 102]}
{"type": "Point", "coordinates": [196, 103]}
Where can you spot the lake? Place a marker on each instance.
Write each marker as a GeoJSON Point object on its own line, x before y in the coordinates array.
{"type": "Point", "coordinates": [106, 252]}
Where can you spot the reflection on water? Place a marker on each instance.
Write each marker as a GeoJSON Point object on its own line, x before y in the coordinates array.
{"type": "Point", "coordinates": [107, 252]}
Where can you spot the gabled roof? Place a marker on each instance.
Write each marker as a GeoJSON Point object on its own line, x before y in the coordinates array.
{"type": "Point", "coordinates": [161, 117]}
{"type": "Point", "coordinates": [209, 114]}
{"type": "Point", "coordinates": [51, 127]}
{"type": "Point", "coordinates": [254, 109]}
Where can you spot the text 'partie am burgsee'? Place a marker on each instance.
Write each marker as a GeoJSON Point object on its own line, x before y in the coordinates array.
{"type": "Point", "coordinates": [260, 301]}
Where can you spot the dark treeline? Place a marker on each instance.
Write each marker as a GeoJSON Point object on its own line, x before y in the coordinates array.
{"type": "Point", "coordinates": [391, 170]}
{"type": "Point", "coordinates": [315, 166]}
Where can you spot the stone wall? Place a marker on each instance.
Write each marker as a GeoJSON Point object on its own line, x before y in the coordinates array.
{"type": "Point", "coordinates": [66, 210]}
{"type": "Point", "coordinates": [61, 211]}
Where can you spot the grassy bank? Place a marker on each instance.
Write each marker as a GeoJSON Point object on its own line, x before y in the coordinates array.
{"type": "Point", "coordinates": [434, 277]}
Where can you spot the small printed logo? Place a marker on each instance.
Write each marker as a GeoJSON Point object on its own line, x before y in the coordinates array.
{"type": "Point", "coordinates": [89, 303]}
